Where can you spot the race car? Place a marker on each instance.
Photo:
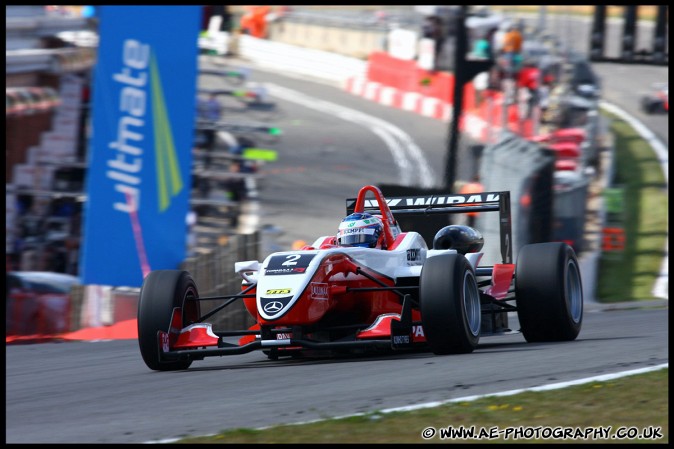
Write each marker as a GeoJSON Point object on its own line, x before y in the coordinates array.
{"type": "Point", "coordinates": [328, 298]}
{"type": "Point", "coordinates": [656, 101]}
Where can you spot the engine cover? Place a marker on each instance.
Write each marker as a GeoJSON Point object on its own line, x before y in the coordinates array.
{"type": "Point", "coordinates": [463, 239]}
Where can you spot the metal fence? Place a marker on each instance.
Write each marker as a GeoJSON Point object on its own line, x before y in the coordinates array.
{"type": "Point", "coordinates": [212, 271]}
{"type": "Point", "coordinates": [214, 275]}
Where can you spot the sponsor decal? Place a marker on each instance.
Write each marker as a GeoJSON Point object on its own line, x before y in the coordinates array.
{"type": "Point", "coordinates": [164, 342]}
{"type": "Point", "coordinates": [278, 291]}
{"type": "Point", "coordinates": [413, 254]}
{"type": "Point", "coordinates": [418, 331]}
{"type": "Point", "coordinates": [401, 339]}
{"type": "Point", "coordinates": [273, 307]}
{"type": "Point", "coordinates": [125, 162]}
{"type": "Point", "coordinates": [288, 264]}
{"type": "Point", "coordinates": [319, 290]}
{"type": "Point", "coordinates": [507, 245]}
{"type": "Point", "coordinates": [434, 200]}
{"type": "Point", "coordinates": [277, 271]}
{"type": "Point", "coordinates": [284, 335]}
{"type": "Point", "coordinates": [357, 231]}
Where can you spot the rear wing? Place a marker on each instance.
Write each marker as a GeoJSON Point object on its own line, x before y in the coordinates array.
{"type": "Point", "coordinates": [450, 204]}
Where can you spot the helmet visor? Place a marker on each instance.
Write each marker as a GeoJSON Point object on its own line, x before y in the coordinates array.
{"type": "Point", "coordinates": [358, 236]}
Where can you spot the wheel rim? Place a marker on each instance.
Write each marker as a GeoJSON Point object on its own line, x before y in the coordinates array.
{"type": "Point", "coordinates": [574, 292]}
{"type": "Point", "coordinates": [471, 303]}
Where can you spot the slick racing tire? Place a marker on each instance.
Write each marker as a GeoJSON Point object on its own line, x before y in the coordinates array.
{"type": "Point", "coordinates": [549, 292]}
{"type": "Point", "coordinates": [449, 302]}
{"type": "Point", "coordinates": [161, 292]}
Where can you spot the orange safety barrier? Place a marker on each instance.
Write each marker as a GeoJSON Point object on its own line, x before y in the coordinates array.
{"type": "Point", "coordinates": [123, 330]}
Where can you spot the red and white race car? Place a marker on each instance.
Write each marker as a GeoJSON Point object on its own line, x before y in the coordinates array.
{"type": "Point", "coordinates": [400, 296]}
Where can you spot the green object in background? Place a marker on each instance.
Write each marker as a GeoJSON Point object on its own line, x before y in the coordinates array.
{"type": "Point", "coordinates": [260, 154]}
{"type": "Point", "coordinates": [643, 210]}
{"type": "Point", "coordinates": [615, 200]}
{"type": "Point", "coordinates": [275, 131]}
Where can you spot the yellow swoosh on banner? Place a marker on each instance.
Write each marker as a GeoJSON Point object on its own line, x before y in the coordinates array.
{"type": "Point", "coordinates": [169, 178]}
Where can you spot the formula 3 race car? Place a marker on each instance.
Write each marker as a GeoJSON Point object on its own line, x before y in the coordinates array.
{"type": "Point", "coordinates": [400, 296]}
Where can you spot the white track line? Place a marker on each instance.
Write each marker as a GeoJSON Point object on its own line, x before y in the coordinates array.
{"type": "Point", "coordinates": [407, 155]}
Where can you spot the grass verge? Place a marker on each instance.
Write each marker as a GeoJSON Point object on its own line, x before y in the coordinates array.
{"type": "Point", "coordinates": [635, 405]}
{"type": "Point", "coordinates": [629, 275]}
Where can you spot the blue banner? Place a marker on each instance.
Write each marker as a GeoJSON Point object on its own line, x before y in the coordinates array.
{"type": "Point", "coordinates": [139, 176]}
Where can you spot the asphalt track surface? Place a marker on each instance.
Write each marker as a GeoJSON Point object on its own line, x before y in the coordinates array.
{"type": "Point", "coordinates": [101, 392]}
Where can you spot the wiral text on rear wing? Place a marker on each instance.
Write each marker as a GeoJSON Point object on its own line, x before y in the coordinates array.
{"type": "Point", "coordinates": [451, 204]}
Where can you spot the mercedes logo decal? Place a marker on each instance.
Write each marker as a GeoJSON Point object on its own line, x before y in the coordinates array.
{"type": "Point", "coordinates": [273, 307]}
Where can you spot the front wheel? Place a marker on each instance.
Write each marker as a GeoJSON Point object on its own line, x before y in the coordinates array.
{"type": "Point", "coordinates": [162, 292]}
{"type": "Point", "coordinates": [449, 302]}
{"type": "Point", "coordinates": [549, 292]}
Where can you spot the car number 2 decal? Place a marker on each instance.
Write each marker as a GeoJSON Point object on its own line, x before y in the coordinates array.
{"type": "Point", "coordinates": [291, 260]}
{"type": "Point", "coordinates": [289, 264]}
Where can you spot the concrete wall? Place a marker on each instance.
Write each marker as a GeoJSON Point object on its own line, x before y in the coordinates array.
{"type": "Point", "coordinates": [355, 43]}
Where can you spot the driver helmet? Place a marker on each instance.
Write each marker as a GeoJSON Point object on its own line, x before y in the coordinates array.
{"type": "Point", "coordinates": [361, 229]}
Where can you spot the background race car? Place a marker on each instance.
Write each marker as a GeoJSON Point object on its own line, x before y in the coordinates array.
{"type": "Point", "coordinates": [657, 100]}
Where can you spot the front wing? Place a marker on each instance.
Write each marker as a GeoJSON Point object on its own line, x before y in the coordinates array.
{"type": "Point", "coordinates": [390, 331]}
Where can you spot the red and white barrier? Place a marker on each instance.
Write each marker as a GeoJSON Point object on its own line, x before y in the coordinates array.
{"type": "Point", "coordinates": [409, 101]}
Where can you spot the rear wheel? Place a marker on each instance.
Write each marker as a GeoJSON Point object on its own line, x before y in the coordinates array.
{"type": "Point", "coordinates": [549, 292]}
{"type": "Point", "coordinates": [449, 302]}
{"type": "Point", "coordinates": [162, 291]}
